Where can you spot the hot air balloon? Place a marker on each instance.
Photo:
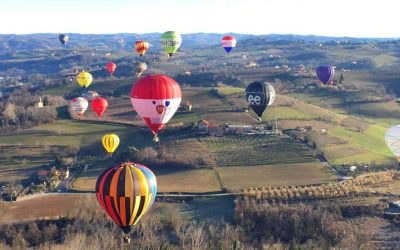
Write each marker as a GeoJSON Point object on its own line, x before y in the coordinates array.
{"type": "Point", "coordinates": [84, 79]}
{"type": "Point", "coordinates": [156, 98]}
{"type": "Point", "coordinates": [392, 138]}
{"type": "Point", "coordinates": [259, 96]}
{"type": "Point", "coordinates": [139, 68]}
{"type": "Point", "coordinates": [141, 47]}
{"type": "Point", "coordinates": [111, 67]}
{"type": "Point", "coordinates": [63, 39]}
{"type": "Point", "coordinates": [170, 42]}
{"type": "Point", "coordinates": [90, 95]}
{"type": "Point", "coordinates": [79, 105]}
{"type": "Point", "coordinates": [110, 142]}
{"type": "Point", "coordinates": [99, 106]}
{"type": "Point", "coordinates": [228, 43]}
{"type": "Point", "coordinates": [325, 74]}
{"type": "Point", "coordinates": [126, 192]}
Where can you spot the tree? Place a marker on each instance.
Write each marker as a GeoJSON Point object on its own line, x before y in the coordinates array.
{"type": "Point", "coordinates": [45, 101]}
{"type": "Point", "coordinates": [9, 112]}
{"type": "Point", "coordinates": [341, 78]}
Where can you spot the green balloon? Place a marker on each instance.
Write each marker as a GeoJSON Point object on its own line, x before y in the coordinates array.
{"type": "Point", "coordinates": [170, 42]}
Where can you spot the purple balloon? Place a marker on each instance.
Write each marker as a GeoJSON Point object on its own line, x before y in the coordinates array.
{"type": "Point", "coordinates": [325, 74]}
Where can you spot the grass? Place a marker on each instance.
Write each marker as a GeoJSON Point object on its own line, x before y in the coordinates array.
{"type": "Point", "coordinates": [226, 91]}
{"type": "Point", "coordinates": [285, 113]}
{"type": "Point", "coordinates": [275, 175]}
{"type": "Point", "coordinates": [61, 90]}
{"type": "Point", "coordinates": [372, 139]}
{"type": "Point", "coordinates": [201, 180]}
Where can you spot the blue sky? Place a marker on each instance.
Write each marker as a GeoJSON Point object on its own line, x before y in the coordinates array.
{"type": "Point", "coordinates": [368, 18]}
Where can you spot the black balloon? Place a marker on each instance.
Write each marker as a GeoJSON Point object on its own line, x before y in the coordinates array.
{"type": "Point", "coordinates": [259, 96]}
{"type": "Point", "coordinates": [63, 38]}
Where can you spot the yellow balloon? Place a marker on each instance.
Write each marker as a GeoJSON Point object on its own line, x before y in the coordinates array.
{"type": "Point", "coordinates": [84, 79]}
{"type": "Point", "coordinates": [110, 142]}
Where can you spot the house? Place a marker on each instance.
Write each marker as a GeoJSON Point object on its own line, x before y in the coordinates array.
{"type": "Point", "coordinates": [187, 73]}
{"type": "Point", "coordinates": [251, 65]}
{"type": "Point", "coordinates": [40, 103]}
{"type": "Point", "coordinates": [188, 106]}
{"type": "Point", "coordinates": [202, 126]}
{"type": "Point", "coordinates": [61, 173]}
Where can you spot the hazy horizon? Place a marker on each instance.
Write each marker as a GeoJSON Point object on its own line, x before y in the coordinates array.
{"type": "Point", "coordinates": [367, 19]}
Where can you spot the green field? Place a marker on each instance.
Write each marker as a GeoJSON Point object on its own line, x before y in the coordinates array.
{"type": "Point", "coordinates": [30, 149]}
{"type": "Point", "coordinates": [275, 175]}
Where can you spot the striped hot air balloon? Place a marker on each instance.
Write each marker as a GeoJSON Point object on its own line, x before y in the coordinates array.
{"type": "Point", "coordinates": [228, 43]}
{"type": "Point", "coordinates": [110, 143]}
{"type": "Point", "coordinates": [325, 74]}
{"type": "Point", "coordinates": [79, 105]}
{"type": "Point", "coordinates": [156, 98]}
{"type": "Point", "coordinates": [141, 47]}
{"type": "Point", "coordinates": [126, 192]}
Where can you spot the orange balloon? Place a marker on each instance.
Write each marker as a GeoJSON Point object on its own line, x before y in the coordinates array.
{"type": "Point", "coordinates": [141, 47]}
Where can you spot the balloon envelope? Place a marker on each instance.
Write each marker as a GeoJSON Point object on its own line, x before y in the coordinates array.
{"type": "Point", "coordinates": [325, 73]}
{"type": "Point", "coordinates": [156, 98]}
{"type": "Point", "coordinates": [110, 142]}
{"type": "Point", "coordinates": [392, 138]}
{"type": "Point", "coordinates": [141, 47]}
{"type": "Point", "coordinates": [63, 38]}
{"type": "Point", "coordinates": [99, 106]}
{"type": "Point", "coordinates": [259, 96]}
{"type": "Point", "coordinates": [228, 42]}
{"type": "Point", "coordinates": [139, 68]}
{"type": "Point", "coordinates": [84, 79]}
{"type": "Point", "coordinates": [170, 42]}
{"type": "Point", "coordinates": [111, 67]}
{"type": "Point", "coordinates": [126, 192]}
{"type": "Point", "coordinates": [79, 105]}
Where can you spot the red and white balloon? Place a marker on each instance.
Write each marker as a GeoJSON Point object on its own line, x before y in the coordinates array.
{"type": "Point", "coordinates": [156, 98]}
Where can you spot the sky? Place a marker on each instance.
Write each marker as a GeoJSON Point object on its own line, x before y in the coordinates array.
{"type": "Point", "coordinates": [355, 18]}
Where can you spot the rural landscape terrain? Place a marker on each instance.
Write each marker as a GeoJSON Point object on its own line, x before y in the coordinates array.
{"type": "Point", "coordinates": [315, 173]}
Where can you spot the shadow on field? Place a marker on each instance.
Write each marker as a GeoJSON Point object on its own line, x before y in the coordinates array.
{"type": "Point", "coordinates": [215, 208]}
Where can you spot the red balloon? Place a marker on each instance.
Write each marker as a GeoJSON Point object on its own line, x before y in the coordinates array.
{"type": "Point", "coordinates": [111, 67]}
{"type": "Point", "coordinates": [99, 106]}
{"type": "Point", "coordinates": [156, 98]}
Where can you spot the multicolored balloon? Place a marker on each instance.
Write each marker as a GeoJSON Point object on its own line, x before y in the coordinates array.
{"type": "Point", "coordinates": [170, 42]}
{"type": "Point", "coordinates": [259, 96]}
{"type": "Point", "coordinates": [141, 47]}
{"type": "Point", "coordinates": [228, 43]}
{"type": "Point", "coordinates": [325, 74]}
{"type": "Point", "coordinates": [110, 143]}
{"type": "Point", "coordinates": [63, 39]}
{"type": "Point", "coordinates": [156, 99]}
{"type": "Point", "coordinates": [111, 67]}
{"type": "Point", "coordinates": [84, 79]}
{"type": "Point", "coordinates": [79, 105]}
{"type": "Point", "coordinates": [139, 68]}
{"type": "Point", "coordinates": [99, 106]}
{"type": "Point", "coordinates": [126, 192]}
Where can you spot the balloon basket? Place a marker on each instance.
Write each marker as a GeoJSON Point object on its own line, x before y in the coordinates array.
{"type": "Point", "coordinates": [127, 240]}
{"type": "Point", "coordinates": [155, 138]}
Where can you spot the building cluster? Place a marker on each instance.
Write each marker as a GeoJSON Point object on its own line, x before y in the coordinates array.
{"type": "Point", "coordinates": [204, 126]}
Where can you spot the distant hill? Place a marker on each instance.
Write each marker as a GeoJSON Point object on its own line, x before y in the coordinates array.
{"type": "Point", "coordinates": [125, 41]}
